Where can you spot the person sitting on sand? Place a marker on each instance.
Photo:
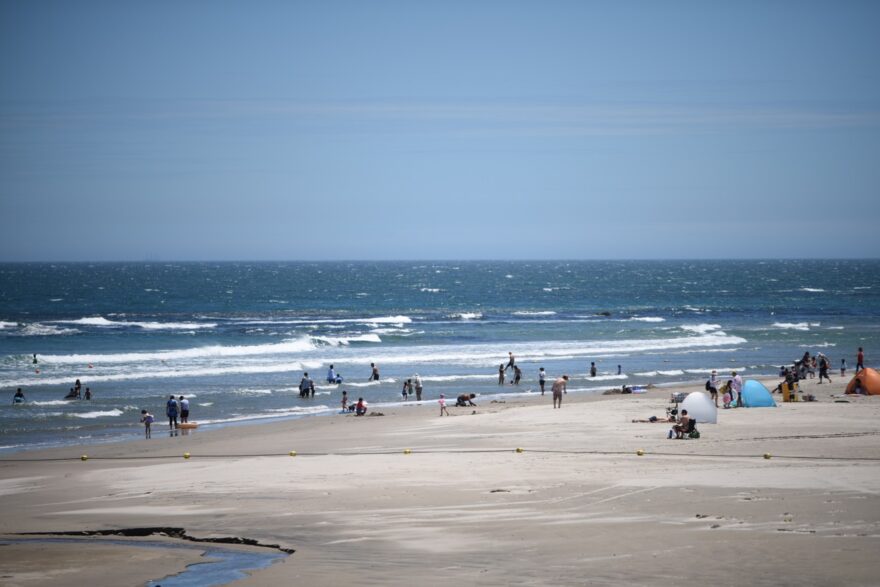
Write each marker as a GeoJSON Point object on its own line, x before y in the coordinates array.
{"type": "Point", "coordinates": [682, 427]}
{"type": "Point", "coordinates": [858, 389]}
{"type": "Point", "coordinates": [361, 408]}
{"type": "Point", "coordinates": [465, 400]}
{"type": "Point", "coordinates": [655, 419]}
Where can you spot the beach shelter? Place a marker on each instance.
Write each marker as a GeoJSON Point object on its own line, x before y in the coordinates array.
{"type": "Point", "coordinates": [869, 379]}
{"type": "Point", "coordinates": [755, 395]}
{"type": "Point", "coordinates": [700, 407]}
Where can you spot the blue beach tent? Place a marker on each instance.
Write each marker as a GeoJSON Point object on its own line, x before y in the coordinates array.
{"type": "Point", "coordinates": [755, 395]}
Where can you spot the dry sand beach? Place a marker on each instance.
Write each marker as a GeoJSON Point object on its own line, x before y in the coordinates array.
{"type": "Point", "coordinates": [577, 506]}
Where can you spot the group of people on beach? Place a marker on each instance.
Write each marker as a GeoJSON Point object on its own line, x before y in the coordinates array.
{"type": "Point", "coordinates": [730, 390]}
{"type": "Point", "coordinates": [174, 408]}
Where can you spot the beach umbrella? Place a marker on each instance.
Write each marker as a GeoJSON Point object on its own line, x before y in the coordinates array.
{"type": "Point", "coordinates": [755, 395]}
{"type": "Point", "coordinates": [700, 408]}
{"type": "Point", "coordinates": [869, 380]}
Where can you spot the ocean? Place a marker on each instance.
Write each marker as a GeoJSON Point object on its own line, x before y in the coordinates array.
{"type": "Point", "coordinates": [235, 338]}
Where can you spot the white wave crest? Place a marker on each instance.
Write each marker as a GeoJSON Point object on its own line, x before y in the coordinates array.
{"type": "Point", "coordinates": [45, 330]}
{"type": "Point", "coordinates": [104, 414]}
{"type": "Point", "coordinates": [298, 345]}
{"type": "Point", "coordinates": [341, 341]}
{"type": "Point", "coordinates": [100, 321]}
{"type": "Point", "coordinates": [813, 289]}
{"type": "Point", "coordinates": [792, 325]}
{"type": "Point", "coordinates": [669, 373]}
{"type": "Point", "coordinates": [376, 320]}
{"type": "Point", "coordinates": [700, 328]}
{"type": "Point", "coordinates": [5, 325]}
{"type": "Point", "coordinates": [430, 289]}
{"type": "Point", "coordinates": [537, 313]}
{"type": "Point", "coordinates": [647, 319]}
{"type": "Point", "coordinates": [53, 402]}
{"type": "Point", "coordinates": [467, 315]}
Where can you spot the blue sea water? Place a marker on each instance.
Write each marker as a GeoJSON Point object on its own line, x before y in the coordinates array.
{"type": "Point", "coordinates": [235, 338]}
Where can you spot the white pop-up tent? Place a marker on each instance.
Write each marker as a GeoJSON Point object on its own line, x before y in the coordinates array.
{"type": "Point", "coordinates": [700, 407]}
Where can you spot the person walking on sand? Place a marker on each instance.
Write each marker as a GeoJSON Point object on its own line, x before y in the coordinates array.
{"type": "Point", "coordinates": [501, 374]}
{"type": "Point", "coordinates": [510, 361]}
{"type": "Point", "coordinates": [542, 379]}
{"type": "Point", "coordinates": [171, 411]}
{"type": "Point", "coordinates": [560, 386]}
{"type": "Point", "coordinates": [860, 360]}
{"type": "Point", "coordinates": [374, 372]}
{"type": "Point", "coordinates": [712, 386]}
{"type": "Point", "coordinates": [147, 421]}
{"type": "Point", "coordinates": [442, 402]}
{"type": "Point", "coordinates": [417, 381]}
{"type": "Point", "coordinates": [823, 368]}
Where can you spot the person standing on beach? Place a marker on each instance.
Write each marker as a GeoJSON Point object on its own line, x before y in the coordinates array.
{"type": "Point", "coordinates": [542, 379]}
{"type": "Point", "coordinates": [184, 409]}
{"type": "Point", "coordinates": [374, 372]}
{"type": "Point", "coordinates": [860, 360]}
{"type": "Point", "coordinates": [304, 385]}
{"type": "Point", "coordinates": [171, 411]}
{"type": "Point", "coordinates": [517, 375]}
{"type": "Point", "coordinates": [592, 369]}
{"type": "Point", "coordinates": [147, 421]}
{"type": "Point", "coordinates": [560, 386]}
{"type": "Point", "coordinates": [405, 391]}
{"type": "Point", "coordinates": [736, 388]}
{"type": "Point", "coordinates": [344, 401]}
{"type": "Point", "coordinates": [417, 381]}
{"type": "Point", "coordinates": [843, 367]}
{"type": "Point", "coordinates": [501, 374]}
{"type": "Point", "coordinates": [510, 361]}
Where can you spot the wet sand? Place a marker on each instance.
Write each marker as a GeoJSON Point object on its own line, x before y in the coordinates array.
{"type": "Point", "coordinates": [578, 505]}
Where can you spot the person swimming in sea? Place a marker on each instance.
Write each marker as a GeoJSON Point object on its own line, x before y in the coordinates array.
{"type": "Point", "coordinates": [18, 398]}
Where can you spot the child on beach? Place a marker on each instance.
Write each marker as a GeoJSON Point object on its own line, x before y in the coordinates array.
{"type": "Point", "coordinates": [344, 400]}
{"type": "Point", "coordinates": [442, 402]}
{"type": "Point", "coordinates": [147, 420]}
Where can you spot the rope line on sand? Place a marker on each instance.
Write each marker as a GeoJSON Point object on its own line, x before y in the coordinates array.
{"type": "Point", "coordinates": [407, 451]}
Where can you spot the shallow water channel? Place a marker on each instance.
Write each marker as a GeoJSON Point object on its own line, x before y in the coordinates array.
{"type": "Point", "coordinates": [221, 566]}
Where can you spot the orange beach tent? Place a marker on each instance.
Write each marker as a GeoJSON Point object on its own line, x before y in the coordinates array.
{"type": "Point", "coordinates": [870, 379]}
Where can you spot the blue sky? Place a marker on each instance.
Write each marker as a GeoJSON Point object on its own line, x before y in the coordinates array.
{"type": "Point", "coordinates": [438, 130]}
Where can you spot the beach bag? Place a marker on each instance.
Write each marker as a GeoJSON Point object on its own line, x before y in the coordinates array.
{"type": "Point", "coordinates": [708, 386]}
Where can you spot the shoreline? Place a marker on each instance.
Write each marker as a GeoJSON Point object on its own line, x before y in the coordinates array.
{"type": "Point", "coordinates": [331, 410]}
